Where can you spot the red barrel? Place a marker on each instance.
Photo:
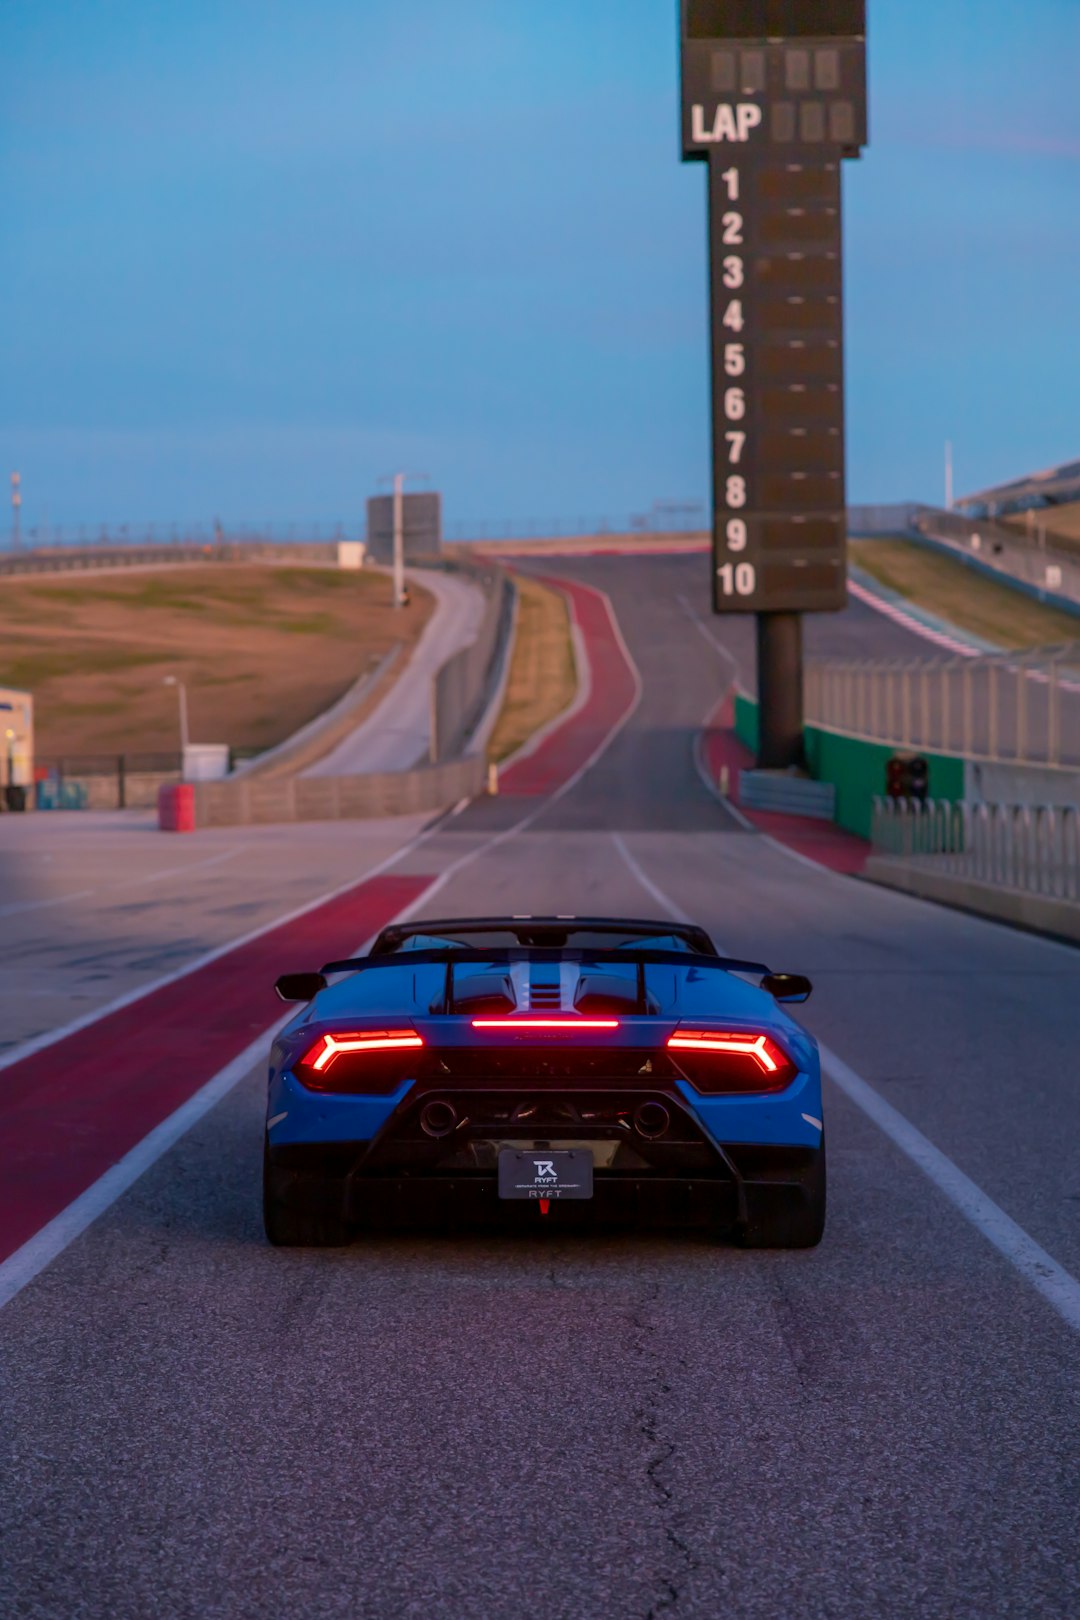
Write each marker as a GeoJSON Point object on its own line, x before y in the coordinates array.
{"type": "Point", "coordinates": [176, 807]}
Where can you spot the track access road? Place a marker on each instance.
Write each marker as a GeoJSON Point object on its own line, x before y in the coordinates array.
{"type": "Point", "coordinates": [628, 1425]}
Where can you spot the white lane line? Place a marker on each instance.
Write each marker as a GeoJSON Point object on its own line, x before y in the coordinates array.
{"type": "Point", "coordinates": [17, 907]}
{"type": "Point", "coordinates": [50, 1037]}
{"type": "Point", "coordinates": [1040, 1269]}
{"type": "Point", "coordinates": [699, 624]}
{"type": "Point", "coordinates": [646, 882]}
{"type": "Point", "coordinates": [1056, 1285]}
{"type": "Point", "coordinates": [39, 1251]}
{"type": "Point", "coordinates": [179, 871]}
{"type": "Point", "coordinates": [697, 749]}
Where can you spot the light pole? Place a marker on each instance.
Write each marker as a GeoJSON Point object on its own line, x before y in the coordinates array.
{"type": "Point", "coordinates": [181, 692]}
{"type": "Point", "coordinates": [948, 476]}
{"type": "Point", "coordinates": [399, 540]}
{"type": "Point", "coordinates": [16, 510]}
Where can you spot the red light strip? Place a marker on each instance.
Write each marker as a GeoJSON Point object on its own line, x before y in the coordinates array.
{"type": "Point", "coordinates": [545, 1023]}
{"type": "Point", "coordinates": [378, 1040]}
{"type": "Point", "coordinates": [753, 1046]}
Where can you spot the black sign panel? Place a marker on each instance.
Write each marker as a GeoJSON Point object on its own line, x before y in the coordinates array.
{"type": "Point", "coordinates": [764, 19]}
{"type": "Point", "coordinates": [421, 522]}
{"type": "Point", "coordinates": [773, 116]}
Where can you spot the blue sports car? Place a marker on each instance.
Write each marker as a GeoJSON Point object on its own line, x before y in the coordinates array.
{"type": "Point", "coordinates": [564, 1068]}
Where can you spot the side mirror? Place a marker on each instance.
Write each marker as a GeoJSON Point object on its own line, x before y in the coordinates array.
{"type": "Point", "coordinates": [300, 986]}
{"type": "Point", "coordinates": [787, 986]}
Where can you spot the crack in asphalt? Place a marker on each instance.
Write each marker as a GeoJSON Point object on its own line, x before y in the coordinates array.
{"type": "Point", "coordinates": [787, 1322]}
{"type": "Point", "coordinates": [648, 1417]}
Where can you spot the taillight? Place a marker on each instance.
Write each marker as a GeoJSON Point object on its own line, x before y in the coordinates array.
{"type": "Point", "coordinates": [567, 1025]}
{"type": "Point", "coordinates": [718, 1060]}
{"type": "Point", "coordinates": [372, 1060]}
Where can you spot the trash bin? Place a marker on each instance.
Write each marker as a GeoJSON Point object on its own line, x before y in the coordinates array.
{"type": "Point", "coordinates": [15, 796]}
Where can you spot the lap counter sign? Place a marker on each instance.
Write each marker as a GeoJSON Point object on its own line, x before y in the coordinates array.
{"type": "Point", "coordinates": [773, 99]}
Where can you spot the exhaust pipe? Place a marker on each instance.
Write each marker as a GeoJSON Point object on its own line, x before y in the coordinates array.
{"type": "Point", "coordinates": [652, 1120]}
{"type": "Point", "coordinates": [438, 1118]}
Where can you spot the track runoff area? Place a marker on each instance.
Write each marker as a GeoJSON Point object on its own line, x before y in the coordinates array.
{"type": "Point", "coordinates": [637, 1423]}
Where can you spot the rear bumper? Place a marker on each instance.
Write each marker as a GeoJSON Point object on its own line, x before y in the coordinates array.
{"type": "Point", "coordinates": [790, 1118]}
{"type": "Point", "coordinates": [742, 1178]}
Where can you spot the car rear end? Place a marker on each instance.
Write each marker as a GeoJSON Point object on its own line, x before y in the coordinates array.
{"type": "Point", "coordinates": [553, 1091]}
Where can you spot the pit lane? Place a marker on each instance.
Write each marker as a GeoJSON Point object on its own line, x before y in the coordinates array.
{"type": "Point", "coordinates": [193, 1424]}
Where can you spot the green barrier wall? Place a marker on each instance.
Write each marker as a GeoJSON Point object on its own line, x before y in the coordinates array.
{"type": "Point", "coordinates": [746, 722]}
{"type": "Point", "coordinates": [855, 767]}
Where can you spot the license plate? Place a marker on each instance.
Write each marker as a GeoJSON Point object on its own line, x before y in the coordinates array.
{"type": "Point", "coordinates": [545, 1173]}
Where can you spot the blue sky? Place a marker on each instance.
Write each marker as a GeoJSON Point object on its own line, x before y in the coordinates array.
{"type": "Point", "coordinates": [257, 254]}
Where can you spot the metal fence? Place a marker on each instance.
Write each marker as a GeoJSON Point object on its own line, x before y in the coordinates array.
{"type": "Point", "coordinates": [664, 517]}
{"type": "Point", "coordinates": [80, 559]}
{"type": "Point", "coordinates": [1047, 565]}
{"type": "Point", "coordinates": [463, 686]}
{"type": "Point", "coordinates": [1033, 848]}
{"type": "Point", "coordinates": [102, 781]}
{"type": "Point", "coordinates": [1017, 707]}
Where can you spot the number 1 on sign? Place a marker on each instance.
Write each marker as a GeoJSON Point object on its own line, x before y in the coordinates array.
{"type": "Point", "coordinates": [730, 177]}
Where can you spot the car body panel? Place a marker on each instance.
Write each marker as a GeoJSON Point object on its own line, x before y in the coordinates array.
{"type": "Point", "coordinates": [455, 1042]}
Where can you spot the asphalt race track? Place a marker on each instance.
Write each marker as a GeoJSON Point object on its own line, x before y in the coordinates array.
{"type": "Point", "coordinates": [633, 1424]}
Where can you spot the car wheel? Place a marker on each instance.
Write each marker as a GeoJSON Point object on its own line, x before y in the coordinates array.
{"type": "Point", "coordinates": [780, 1221]}
{"type": "Point", "coordinates": [301, 1210]}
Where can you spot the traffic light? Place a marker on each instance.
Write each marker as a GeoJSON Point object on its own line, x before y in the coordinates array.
{"type": "Point", "coordinates": [918, 779]}
{"type": "Point", "coordinates": [907, 776]}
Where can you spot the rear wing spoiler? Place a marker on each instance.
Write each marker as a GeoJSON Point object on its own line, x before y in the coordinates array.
{"type": "Point", "coordinates": [782, 986]}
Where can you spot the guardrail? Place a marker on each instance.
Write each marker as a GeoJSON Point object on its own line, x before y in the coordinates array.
{"type": "Point", "coordinates": [79, 559]}
{"type": "Point", "coordinates": [1016, 707]}
{"type": "Point", "coordinates": [665, 517]}
{"type": "Point", "coordinates": [463, 686]}
{"type": "Point", "coordinates": [1046, 569]}
{"type": "Point", "coordinates": [1034, 849]}
{"type": "Point", "coordinates": [246, 801]}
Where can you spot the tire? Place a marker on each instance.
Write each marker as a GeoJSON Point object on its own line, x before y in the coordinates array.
{"type": "Point", "coordinates": [779, 1221]}
{"type": "Point", "coordinates": [301, 1210]}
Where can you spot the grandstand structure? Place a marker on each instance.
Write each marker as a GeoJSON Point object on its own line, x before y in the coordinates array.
{"type": "Point", "coordinates": [1046, 503]}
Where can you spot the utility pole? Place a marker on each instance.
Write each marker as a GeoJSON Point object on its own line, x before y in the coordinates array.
{"type": "Point", "coordinates": [948, 476]}
{"type": "Point", "coordinates": [399, 541]}
{"type": "Point", "coordinates": [181, 693]}
{"type": "Point", "coordinates": [16, 511]}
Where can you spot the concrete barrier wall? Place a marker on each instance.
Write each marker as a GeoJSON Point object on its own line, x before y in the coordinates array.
{"type": "Point", "coordinates": [1043, 913]}
{"type": "Point", "coordinates": [255, 800]}
{"type": "Point", "coordinates": [1003, 782]}
{"type": "Point", "coordinates": [317, 738]}
{"type": "Point", "coordinates": [854, 765]}
{"type": "Point", "coordinates": [464, 685]}
{"type": "Point", "coordinates": [139, 790]}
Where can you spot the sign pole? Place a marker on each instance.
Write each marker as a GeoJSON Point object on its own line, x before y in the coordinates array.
{"type": "Point", "coordinates": [780, 690]}
{"type": "Point", "coordinates": [399, 541]}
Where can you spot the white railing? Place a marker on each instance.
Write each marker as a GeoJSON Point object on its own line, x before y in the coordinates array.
{"type": "Point", "coordinates": [1034, 848]}
{"type": "Point", "coordinates": [1019, 707]}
